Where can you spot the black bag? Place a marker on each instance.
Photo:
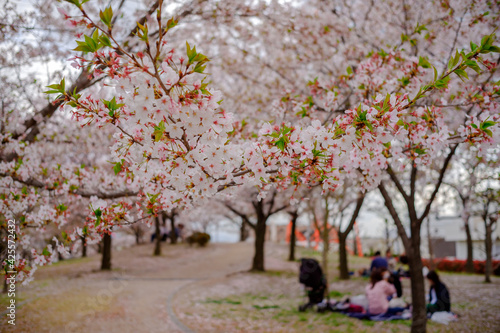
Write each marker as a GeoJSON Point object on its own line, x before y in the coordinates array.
{"type": "Point", "coordinates": [311, 274]}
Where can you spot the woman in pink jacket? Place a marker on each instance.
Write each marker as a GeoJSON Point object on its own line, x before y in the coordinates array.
{"type": "Point", "coordinates": [378, 293]}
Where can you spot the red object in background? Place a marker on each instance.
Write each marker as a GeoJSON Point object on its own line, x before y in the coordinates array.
{"type": "Point", "coordinates": [316, 238]}
{"type": "Point", "coordinates": [456, 265]}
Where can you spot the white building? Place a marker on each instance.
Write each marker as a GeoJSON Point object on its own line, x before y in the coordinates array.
{"type": "Point", "coordinates": [448, 238]}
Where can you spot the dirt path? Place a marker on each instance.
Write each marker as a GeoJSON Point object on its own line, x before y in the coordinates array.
{"type": "Point", "coordinates": [205, 290]}
{"type": "Point", "coordinates": [139, 295]}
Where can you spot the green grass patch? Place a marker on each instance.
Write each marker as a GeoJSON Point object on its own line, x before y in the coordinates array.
{"type": "Point", "coordinates": [400, 321]}
{"type": "Point", "coordinates": [337, 294]}
{"type": "Point", "coordinates": [284, 274]}
{"type": "Point", "coordinates": [222, 301]}
{"type": "Point", "coordinates": [71, 261]}
{"type": "Point", "coordinates": [264, 307]}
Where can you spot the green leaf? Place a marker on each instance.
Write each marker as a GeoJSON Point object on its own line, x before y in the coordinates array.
{"type": "Point", "coordinates": [118, 167]}
{"type": "Point", "coordinates": [106, 16]}
{"type": "Point", "coordinates": [280, 144]}
{"type": "Point", "coordinates": [349, 70]}
{"type": "Point", "coordinates": [454, 60]}
{"type": "Point", "coordinates": [423, 62]}
{"type": "Point", "coordinates": [420, 151]}
{"type": "Point", "coordinates": [112, 105]}
{"type": "Point", "coordinates": [199, 68]}
{"type": "Point", "coordinates": [420, 28]}
{"type": "Point", "coordinates": [191, 52]}
{"type": "Point", "coordinates": [485, 124]}
{"type": "Point", "coordinates": [404, 81]}
{"type": "Point", "coordinates": [494, 48]}
{"type": "Point", "coordinates": [75, 2]}
{"type": "Point", "coordinates": [461, 74]}
{"type": "Point", "coordinates": [104, 40]}
{"type": "Point", "coordinates": [442, 83]}
{"type": "Point", "coordinates": [57, 88]}
{"type": "Point", "coordinates": [472, 64]}
{"type": "Point", "coordinates": [159, 130]}
{"type": "Point", "coordinates": [170, 24]}
{"type": "Point", "coordinates": [62, 208]}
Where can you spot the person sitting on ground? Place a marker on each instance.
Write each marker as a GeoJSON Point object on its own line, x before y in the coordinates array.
{"type": "Point", "coordinates": [392, 278]}
{"type": "Point", "coordinates": [378, 262]}
{"type": "Point", "coordinates": [391, 261]}
{"type": "Point", "coordinates": [377, 292]}
{"type": "Point", "coordinates": [403, 269]}
{"type": "Point", "coordinates": [439, 296]}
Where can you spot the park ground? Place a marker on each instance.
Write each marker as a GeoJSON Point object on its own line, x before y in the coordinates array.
{"type": "Point", "coordinates": [191, 289]}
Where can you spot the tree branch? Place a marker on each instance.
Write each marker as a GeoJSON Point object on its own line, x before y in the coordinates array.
{"type": "Point", "coordinates": [439, 182]}
{"type": "Point", "coordinates": [354, 216]}
{"type": "Point", "coordinates": [394, 214]}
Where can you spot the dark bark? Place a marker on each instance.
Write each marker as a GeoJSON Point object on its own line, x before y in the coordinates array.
{"type": "Point", "coordinates": [243, 231]}
{"type": "Point", "coordinates": [355, 242]}
{"type": "Point", "coordinates": [488, 244]}
{"type": "Point", "coordinates": [260, 227]}
{"type": "Point", "coordinates": [291, 254]}
{"type": "Point", "coordinates": [412, 243]}
{"type": "Point", "coordinates": [260, 234]}
{"type": "Point", "coordinates": [137, 238]}
{"type": "Point", "coordinates": [419, 314]}
{"type": "Point", "coordinates": [325, 237]}
{"type": "Point", "coordinates": [173, 234]}
{"type": "Point", "coordinates": [84, 246]}
{"type": "Point", "coordinates": [469, 264]}
{"type": "Point", "coordinates": [344, 269]}
{"type": "Point", "coordinates": [429, 244]}
{"type": "Point", "coordinates": [106, 252]}
{"type": "Point", "coordinates": [158, 236]}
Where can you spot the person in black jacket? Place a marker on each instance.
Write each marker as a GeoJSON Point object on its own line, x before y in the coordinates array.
{"type": "Point", "coordinates": [439, 296]}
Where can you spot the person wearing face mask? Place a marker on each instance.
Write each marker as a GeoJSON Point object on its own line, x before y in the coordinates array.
{"type": "Point", "coordinates": [392, 278]}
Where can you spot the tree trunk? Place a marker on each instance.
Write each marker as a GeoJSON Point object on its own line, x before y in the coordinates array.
{"type": "Point", "coordinates": [173, 234]}
{"type": "Point", "coordinates": [344, 269]}
{"type": "Point", "coordinates": [419, 313]}
{"type": "Point", "coordinates": [291, 254]}
{"type": "Point", "coordinates": [84, 246]}
{"type": "Point", "coordinates": [355, 244]}
{"type": "Point", "coordinates": [260, 234]}
{"type": "Point", "coordinates": [469, 264]}
{"type": "Point", "coordinates": [106, 252]}
{"type": "Point", "coordinates": [326, 248]}
{"type": "Point", "coordinates": [429, 244]}
{"type": "Point", "coordinates": [488, 247]}
{"type": "Point", "coordinates": [243, 231]}
{"type": "Point", "coordinates": [137, 238]}
{"type": "Point", "coordinates": [157, 250]}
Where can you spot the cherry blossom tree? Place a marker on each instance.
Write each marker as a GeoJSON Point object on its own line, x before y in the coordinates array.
{"type": "Point", "coordinates": [336, 212]}
{"type": "Point", "coordinates": [489, 202]}
{"type": "Point", "coordinates": [381, 109]}
{"type": "Point", "coordinates": [470, 170]}
{"type": "Point", "coordinates": [255, 212]}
